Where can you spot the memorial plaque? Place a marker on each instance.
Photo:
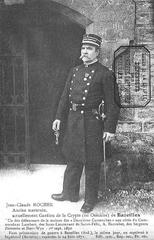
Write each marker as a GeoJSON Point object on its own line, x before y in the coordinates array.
{"type": "Point", "coordinates": [132, 70]}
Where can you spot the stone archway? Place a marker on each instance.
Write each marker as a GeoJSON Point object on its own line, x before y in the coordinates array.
{"type": "Point", "coordinates": [48, 36]}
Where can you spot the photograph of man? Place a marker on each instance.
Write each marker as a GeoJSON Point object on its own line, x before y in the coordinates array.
{"type": "Point", "coordinates": [86, 87]}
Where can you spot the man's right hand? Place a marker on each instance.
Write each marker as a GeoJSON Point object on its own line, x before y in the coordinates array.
{"type": "Point", "coordinates": [56, 125]}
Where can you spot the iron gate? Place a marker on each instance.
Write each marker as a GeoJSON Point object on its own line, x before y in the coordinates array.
{"type": "Point", "coordinates": [14, 117]}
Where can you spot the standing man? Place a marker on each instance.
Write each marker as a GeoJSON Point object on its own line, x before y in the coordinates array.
{"type": "Point", "coordinates": [86, 87]}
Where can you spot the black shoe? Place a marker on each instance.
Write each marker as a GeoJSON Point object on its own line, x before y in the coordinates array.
{"type": "Point", "coordinates": [62, 197]}
{"type": "Point", "coordinates": [87, 207]}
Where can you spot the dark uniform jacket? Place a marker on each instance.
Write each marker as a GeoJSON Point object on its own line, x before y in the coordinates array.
{"type": "Point", "coordinates": [87, 87]}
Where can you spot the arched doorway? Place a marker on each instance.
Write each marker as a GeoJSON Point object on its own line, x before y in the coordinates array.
{"type": "Point", "coordinates": [48, 41]}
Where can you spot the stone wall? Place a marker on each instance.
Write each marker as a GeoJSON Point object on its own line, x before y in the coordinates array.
{"type": "Point", "coordinates": [136, 126]}
{"type": "Point", "coordinates": [113, 20]}
{"type": "Point", "coordinates": [118, 23]}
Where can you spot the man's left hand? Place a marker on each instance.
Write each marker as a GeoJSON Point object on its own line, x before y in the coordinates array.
{"type": "Point", "coordinates": [108, 136]}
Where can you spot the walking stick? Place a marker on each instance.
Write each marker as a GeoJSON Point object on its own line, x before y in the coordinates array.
{"type": "Point", "coordinates": [102, 117]}
{"type": "Point", "coordinates": [104, 156]}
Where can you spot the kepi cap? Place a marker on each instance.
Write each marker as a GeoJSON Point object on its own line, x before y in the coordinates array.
{"type": "Point", "coordinates": [92, 39]}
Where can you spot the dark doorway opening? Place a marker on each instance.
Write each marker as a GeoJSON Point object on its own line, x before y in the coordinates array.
{"type": "Point", "coordinates": [50, 43]}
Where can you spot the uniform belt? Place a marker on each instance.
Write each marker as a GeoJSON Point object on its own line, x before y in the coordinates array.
{"type": "Point", "coordinates": [76, 107]}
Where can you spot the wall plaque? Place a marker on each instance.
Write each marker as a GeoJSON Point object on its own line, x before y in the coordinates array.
{"type": "Point", "coordinates": [132, 70]}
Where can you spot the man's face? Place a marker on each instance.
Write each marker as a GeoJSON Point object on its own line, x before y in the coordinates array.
{"type": "Point", "coordinates": [89, 53]}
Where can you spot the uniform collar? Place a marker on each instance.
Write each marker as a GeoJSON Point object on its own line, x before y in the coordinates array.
{"type": "Point", "coordinates": [88, 64]}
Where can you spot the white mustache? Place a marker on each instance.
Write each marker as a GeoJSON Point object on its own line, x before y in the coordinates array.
{"type": "Point", "coordinates": [82, 56]}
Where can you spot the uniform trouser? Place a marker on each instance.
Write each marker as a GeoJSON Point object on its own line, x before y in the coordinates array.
{"type": "Point", "coordinates": [72, 176]}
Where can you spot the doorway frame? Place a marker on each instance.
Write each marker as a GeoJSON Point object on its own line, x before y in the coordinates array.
{"type": "Point", "coordinates": [73, 16]}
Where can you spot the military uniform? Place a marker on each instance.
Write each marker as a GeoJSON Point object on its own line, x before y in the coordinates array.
{"type": "Point", "coordinates": [86, 87]}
